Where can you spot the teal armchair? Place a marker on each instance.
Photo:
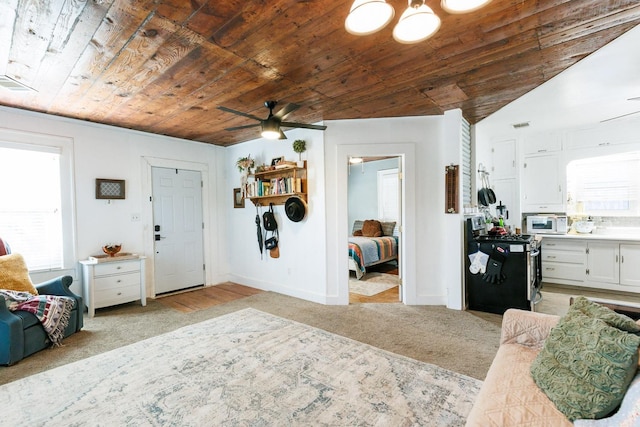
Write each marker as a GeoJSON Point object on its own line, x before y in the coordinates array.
{"type": "Point", "coordinates": [21, 334]}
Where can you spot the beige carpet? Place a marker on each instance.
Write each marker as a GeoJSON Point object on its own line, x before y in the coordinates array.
{"type": "Point", "coordinates": [243, 368]}
{"type": "Point", "coordinates": [373, 283]}
{"type": "Point", "coordinates": [464, 342]}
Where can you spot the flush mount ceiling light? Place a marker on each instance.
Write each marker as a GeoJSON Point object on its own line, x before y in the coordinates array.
{"type": "Point", "coordinates": [368, 16]}
{"type": "Point", "coordinates": [463, 6]}
{"type": "Point", "coordinates": [417, 23]}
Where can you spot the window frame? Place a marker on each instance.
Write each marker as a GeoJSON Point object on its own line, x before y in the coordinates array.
{"type": "Point", "coordinates": [33, 141]}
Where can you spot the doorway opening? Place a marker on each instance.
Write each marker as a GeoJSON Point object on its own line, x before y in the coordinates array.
{"type": "Point", "coordinates": [374, 216]}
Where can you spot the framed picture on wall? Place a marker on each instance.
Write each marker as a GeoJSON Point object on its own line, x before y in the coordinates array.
{"type": "Point", "coordinates": [109, 188]}
{"type": "Point", "coordinates": [238, 200]}
{"type": "Point", "coordinates": [277, 160]}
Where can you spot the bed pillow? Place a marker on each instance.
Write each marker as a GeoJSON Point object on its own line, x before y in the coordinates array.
{"type": "Point", "coordinates": [14, 274]}
{"type": "Point", "coordinates": [371, 228]}
{"type": "Point", "coordinates": [588, 361]}
{"type": "Point", "coordinates": [388, 227]}
{"type": "Point", "coordinates": [357, 227]}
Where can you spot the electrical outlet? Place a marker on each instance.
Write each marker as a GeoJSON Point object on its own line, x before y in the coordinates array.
{"type": "Point", "coordinates": [135, 217]}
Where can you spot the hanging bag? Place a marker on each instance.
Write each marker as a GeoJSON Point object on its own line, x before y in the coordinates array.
{"type": "Point", "coordinates": [269, 219]}
{"type": "Point", "coordinates": [270, 224]}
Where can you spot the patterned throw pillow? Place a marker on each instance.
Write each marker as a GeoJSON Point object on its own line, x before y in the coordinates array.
{"type": "Point", "coordinates": [388, 227]}
{"type": "Point", "coordinates": [357, 226]}
{"type": "Point", "coordinates": [14, 274]}
{"type": "Point", "coordinates": [588, 360]}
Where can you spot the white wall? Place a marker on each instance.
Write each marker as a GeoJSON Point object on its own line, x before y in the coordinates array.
{"type": "Point", "coordinates": [423, 143]}
{"type": "Point", "coordinates": [109, 152]}
{"type": "Point", "coordinates": [300, 270]}
{"type": "Point", "coordinates": [313, 262]}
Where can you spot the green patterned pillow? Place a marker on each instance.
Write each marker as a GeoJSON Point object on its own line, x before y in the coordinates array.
{"type": "Point", "coordinates": [588, 361]}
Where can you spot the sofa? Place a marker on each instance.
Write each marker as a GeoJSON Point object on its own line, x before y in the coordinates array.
{"type": "Point", "coordinates": [509, 395]}
{"type": "Point", "coordinates": [21, 334]}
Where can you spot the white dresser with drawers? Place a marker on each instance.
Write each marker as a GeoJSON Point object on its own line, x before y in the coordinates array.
{"type": "Point", "coordinates": [109, 282]}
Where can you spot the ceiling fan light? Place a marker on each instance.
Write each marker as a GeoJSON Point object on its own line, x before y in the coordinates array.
{"type": "Point", "coordinates": [368, 16]}
{"type": "Point", "coordinates": [270, 129]}
{"type": "Point", "coordinates": [463, 6]}
{"type": "Point", "coordinates": [416, 24]}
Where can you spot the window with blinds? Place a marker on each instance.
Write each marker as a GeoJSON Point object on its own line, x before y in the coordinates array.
{"type": "Point", "coordinates": [604, 186]}
{"type": "Point", "coordinates": [388, 184]}
{"type": "Point", "coordinates": [31, 210]}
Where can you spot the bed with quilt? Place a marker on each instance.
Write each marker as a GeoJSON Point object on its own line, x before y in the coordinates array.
{"type": "Point", "coordinates": [373, 242]}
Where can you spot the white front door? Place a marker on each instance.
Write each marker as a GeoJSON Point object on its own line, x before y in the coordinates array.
{"type": "Point", "coordinates": [178, 229]}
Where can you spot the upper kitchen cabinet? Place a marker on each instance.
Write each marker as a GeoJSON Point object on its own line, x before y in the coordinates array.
{"type": "Point", "coordinates": [603, 135]}
{"type": "Point", "coordinates": [542, 183]}
{"type": "Point", "coordinates": [503, 159]}
{"type": "Point", "coordinates": [543, 142]}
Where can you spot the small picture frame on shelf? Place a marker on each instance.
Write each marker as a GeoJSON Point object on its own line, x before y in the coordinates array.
{"type": "Point", "coordinates": [238, 200]}
{"type": "Point", "coordinates": [276, 160]}
{"type": "Point", "coordinates": [109, 188]}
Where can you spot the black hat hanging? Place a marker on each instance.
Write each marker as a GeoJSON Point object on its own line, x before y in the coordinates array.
{"type": "Point", "coordinates": [295, 208]}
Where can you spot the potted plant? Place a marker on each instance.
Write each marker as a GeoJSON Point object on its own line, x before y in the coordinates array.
{"type": "Point", "coordinates": [300, 146]}
{"type": "Point", "coordinates": [245, 163]}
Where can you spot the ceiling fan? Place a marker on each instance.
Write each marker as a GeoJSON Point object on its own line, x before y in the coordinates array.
{"type": "Point", "coordinates": [637, 98]}
{"type": "Point", "coordinates": [271, 126]}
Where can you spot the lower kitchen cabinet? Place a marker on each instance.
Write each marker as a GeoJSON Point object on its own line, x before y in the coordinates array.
{"type": "Point", "coordinates": [603, 264]}
{"type": "Point", "coordinates": [564, 261]}
{"type": "Point", "coordinates": [630, 264]}
{"type": "Point", "coordinates": [113, 282]}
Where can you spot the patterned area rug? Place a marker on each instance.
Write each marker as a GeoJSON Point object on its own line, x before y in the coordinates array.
{"type": "Point", "coordinates": [373, 283]}
{"type": "Point", "coordinates": [244, 368]}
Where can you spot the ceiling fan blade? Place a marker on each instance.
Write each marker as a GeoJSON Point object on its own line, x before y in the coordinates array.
{"type": "Point", "coordinates": [302, 125]}
{"type": "Point", "coordinates": [619, 117]}
{"type": "Point", "coordinates": [286, 110]}
{"type": "Point", "coordinates": [239, 113]}
{"type": "Point", "coordinates": [243, 127]}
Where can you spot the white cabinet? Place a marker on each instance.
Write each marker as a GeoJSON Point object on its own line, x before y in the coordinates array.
{"type": "Point", "coordinates": [563, 261]}
{"type": "Point", "coordinates": [503, 159]}
{"type": "Point", "coordinates": [603, 135]}
{"type": "Point", "coordinates": [542, 184]}
{"type": "Point", "coordinates": [113, 282]}
{"type": "Point", "coordinates": [630, 264]}
{"type": "Point", "coordinates": [603, 262]}
{"type": "Point", "coordinates": [544, 142]}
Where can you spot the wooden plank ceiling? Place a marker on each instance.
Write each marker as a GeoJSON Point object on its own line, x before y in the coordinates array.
{"type": "Point", "coordinates": [164, 66]}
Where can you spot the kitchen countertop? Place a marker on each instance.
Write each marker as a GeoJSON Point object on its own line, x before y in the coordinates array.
{"type": "Point", "coordinates": [631, 235]}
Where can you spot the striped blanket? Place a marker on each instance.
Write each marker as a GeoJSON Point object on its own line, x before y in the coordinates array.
{"type": "Point", "coordinates": [366, 251]}
{"type": "Point", "coordinates": [52, 311]}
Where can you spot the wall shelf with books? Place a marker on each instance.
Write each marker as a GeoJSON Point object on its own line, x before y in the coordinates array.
{"type": "Point", "coordinates": [277, 185]}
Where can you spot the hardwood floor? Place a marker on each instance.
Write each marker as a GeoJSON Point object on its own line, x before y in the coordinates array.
{"type": "Point", "coordinates": [388, 296]}
{"type": "Point", "coordinates": [194, 300]}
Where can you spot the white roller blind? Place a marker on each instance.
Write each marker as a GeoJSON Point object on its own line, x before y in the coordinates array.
{"type": "Point", "coordinates": [606, 186]}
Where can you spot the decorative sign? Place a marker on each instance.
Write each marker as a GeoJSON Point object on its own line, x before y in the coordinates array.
{"type": "Point", "coordinates": [109, 188]}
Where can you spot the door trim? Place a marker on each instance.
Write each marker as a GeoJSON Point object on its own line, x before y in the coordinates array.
{"type": "Point", "coordinates": [406, 151]}
{"type": "Point", "coordinates": [147, 214]}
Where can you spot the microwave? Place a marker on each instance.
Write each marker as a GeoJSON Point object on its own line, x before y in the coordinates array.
{"type": "Point", "coordinates": [547, 224]}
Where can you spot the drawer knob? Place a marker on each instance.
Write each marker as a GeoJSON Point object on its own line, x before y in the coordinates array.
{"type": "Point", "coordinates": [118, 267]}
{"type": "Point", "coordinates": [119, 280]}
{"type": "Point", "coordinates": [119, 293]}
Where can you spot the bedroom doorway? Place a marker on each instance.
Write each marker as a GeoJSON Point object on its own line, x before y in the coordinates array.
{"type": "Point", "coordinates": [374, 195]}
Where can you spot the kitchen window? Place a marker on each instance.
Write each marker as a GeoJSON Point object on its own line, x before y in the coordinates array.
{"type": "Point", "coordinates": [604, 186]}
{"type": "Point", "coordinates": [36, 214]}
